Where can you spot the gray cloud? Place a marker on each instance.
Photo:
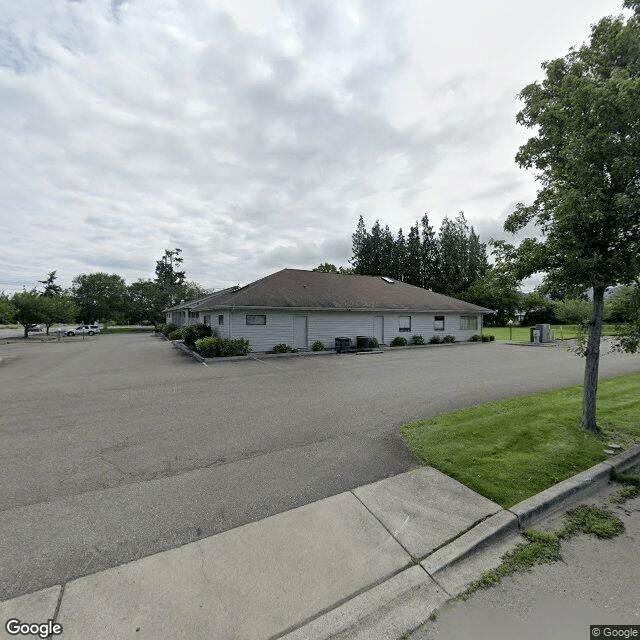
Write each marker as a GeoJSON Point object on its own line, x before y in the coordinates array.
{"type": "Point", "coordinates": [252, 137]}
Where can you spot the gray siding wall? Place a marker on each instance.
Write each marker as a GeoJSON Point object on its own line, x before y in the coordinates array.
{"type": "Point", "coordinates": [328, 325]}
{"type": "Point", "coordinates": [278, 330]}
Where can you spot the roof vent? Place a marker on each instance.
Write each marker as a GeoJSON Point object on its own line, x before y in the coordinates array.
{"type": "Point", "coordinates": [389, 280]}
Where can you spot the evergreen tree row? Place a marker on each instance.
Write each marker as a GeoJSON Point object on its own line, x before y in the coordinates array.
{"type": "Point", "coordinates": [449, 262]}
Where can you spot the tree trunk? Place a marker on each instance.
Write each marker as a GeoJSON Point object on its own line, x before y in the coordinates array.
{"type": "Point", "coordinates": [592, 360]}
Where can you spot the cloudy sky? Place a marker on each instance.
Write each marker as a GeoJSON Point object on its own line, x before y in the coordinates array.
{"type": "Point", "coordinates": [252, 134]}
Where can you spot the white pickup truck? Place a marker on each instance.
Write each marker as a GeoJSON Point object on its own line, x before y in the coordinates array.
{"type": "Point", "coordinates": [88, 329]}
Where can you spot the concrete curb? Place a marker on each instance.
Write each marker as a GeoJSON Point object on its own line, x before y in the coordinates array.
{"type": "Point", "coordinates": [496, 526]}
{"type": "Point", "coordinates": [356, 618]}
{"type": "Point", "coordinates": [183, 347]}
{"type": "Point", "coordinates": [625, 460]}
{"type": "Point", "coordinates": [572, 489]}
{"type": "Point", "coordinates": [385, 611]}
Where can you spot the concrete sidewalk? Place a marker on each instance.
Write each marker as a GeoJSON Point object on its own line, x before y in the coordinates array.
{"type": "Point", "coordinates": [368, 563]}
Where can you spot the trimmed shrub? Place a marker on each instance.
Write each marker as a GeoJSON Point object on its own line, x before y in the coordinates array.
{"type": "Point", "coordinates": [176, 334]}
{"type": "Point", "coordinates": [318, 345]}
{"type": "Point", "coordinates": [283, 348]}
{"type": "Point", "coordinates": [214, 347]}
{"type": "Point", "coordinates": [449, 339]}
{"type": "Point", "coordinates": [168, 328]}
{"type": "Point", "coordinates": [435, 340]}
{"type": "Point", "coordinates": [477, 338]}
{"type": "Point", "coordinates": [373, 343]}
{"type": "Point", "coordinates": [399, 341]}
{"type": "Point", "coordinates": [418, 340]}
{"type": "Point", "coordinates": [194, 332]}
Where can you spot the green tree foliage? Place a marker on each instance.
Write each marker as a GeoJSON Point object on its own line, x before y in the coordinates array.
{"type": "Point", "coordinates": [448, 263]}
{"type": "Point", "coordinates": [629, 334]}
{"type": "Point", "coordinates": [99, 296]}
{"type": "Point", "coordinates": [169, 278]}
{"type": "Point", "coordinates": [399, 253]}
{"type": "Point", "coordinates": [496, 288]}
{"type": "Point", "coordinates": [538, 308]}
{"type": "Point", "coordinates": [50, 286]}
{"type": "Point", "coordinates": [7, 310]}
{"type": "Point", "coordinates": [144, 303]}
{"type": "Point", "coordinates": [620, 308]}
{"type": "Point", "coordinates": [27, 308]}
{"type": "Point", "coordinates": [327, 267]}
{"type": "Point", "coordinates": [453, 253]}
{"type": "Point", "coordinates": [572, 310]}
{"type": "Point", "coordinates": [586, 154]}
{"type": "Point", "coordinates": [413, 271]}
{"type": "Point", "coordinates": [428, 255]}
{"type": "Point", "coordinates": [57, 308]}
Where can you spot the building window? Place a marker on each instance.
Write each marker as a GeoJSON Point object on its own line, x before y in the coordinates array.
{"type": "Point", "coordinates": [438, 323]}
{"type": "Point", "coordinates": [221, 319]}
{"type": "Point", "coordinates": [469, 323]}
{"type": "Point", "coordinates": [254, 319]}
{"type": "Point", "coordinates": [404, 323]}
{"type": "Point", "coordinates": [207, 319]}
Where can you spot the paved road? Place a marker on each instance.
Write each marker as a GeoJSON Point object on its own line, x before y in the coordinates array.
{"type": "Point", "coordinates": [119, 446]}
{"type": "Point", "coordinates": [595, 583]}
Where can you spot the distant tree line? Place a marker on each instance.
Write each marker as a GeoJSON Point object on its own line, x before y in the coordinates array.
{"type": "Point", "coordinates": [102, 297]}
{"type": "Point", "coordinates": [448, 262]}
{"type": "Point", "coordinates": [456, 263]}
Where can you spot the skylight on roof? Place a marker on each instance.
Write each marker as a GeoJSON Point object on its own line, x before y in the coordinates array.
{"type": "Point", "coordinates": [389, 280]}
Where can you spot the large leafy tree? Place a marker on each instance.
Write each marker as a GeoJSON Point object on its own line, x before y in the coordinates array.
{"type": "Point", "coordinates": [57, 308]}
{"type": "Point", "coordinates": [100, 296]}
{"type": "Point", "coordinates": [7, 309]}
{"type": "Point", "coordinates": [586, 154]}
{"type": "Point", "coordinates": [27, 307]}
{"type": "Point", "coordinates": [497, 287]}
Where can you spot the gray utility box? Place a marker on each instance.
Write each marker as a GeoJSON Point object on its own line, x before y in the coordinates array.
{"type": "Point", "coordinates": [343, 344]}
{"type": "Point", "coordinates": [362, 342]}
{"type": "Point", "coordinates": [543, 333]}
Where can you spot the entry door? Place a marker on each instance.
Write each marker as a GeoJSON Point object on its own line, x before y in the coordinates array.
{"type": "Point", "coordinates": [378, 329]}
{"type": "Point", "coordinates": [300, 332]}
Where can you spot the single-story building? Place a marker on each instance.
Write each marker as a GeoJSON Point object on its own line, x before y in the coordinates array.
{"type": "Point", "coordinates": [298, 307]}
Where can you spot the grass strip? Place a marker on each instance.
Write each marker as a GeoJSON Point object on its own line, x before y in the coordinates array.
{"type": "Point", "coordinates": [629, 491]}
{"type": "Point", "coordinates": [563, 332]}
{"type": "Point", "coordinates": [512, 449]}
{"type": "Point", "coordinates": [544, 548]}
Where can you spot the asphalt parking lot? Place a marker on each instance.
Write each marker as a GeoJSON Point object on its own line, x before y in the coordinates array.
{"type": "Point", "coordinates": [118, 446]}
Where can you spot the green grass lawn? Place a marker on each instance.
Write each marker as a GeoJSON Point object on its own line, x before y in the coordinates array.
{"type": "Point", "coordinates": [513, 449]}
{"type": "Point", "coordinates": [521, 334]}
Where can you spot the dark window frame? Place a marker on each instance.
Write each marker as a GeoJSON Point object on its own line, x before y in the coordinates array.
{"type": "Point", "coordinates": [437, 319]}
{"type": "Point", "coordinates": [254, 317]}
{"type": "Point", "coordinates": [401, 328]}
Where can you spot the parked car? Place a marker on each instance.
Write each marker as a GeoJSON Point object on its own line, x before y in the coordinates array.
{"type": "Point", "coordinates": [88, 329]}
{"type": "Point", "coordinates": [33, 328]}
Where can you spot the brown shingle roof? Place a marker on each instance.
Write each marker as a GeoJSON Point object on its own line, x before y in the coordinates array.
{"type": "Point", "coordinates": [295, 288]}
